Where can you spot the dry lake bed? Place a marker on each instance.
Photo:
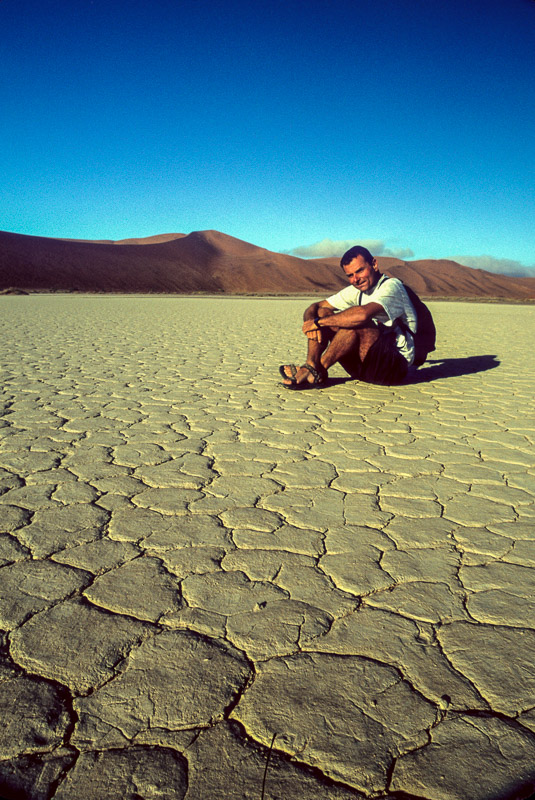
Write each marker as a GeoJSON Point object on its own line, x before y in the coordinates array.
{"type": "Point", "coordinates": [214, 588]}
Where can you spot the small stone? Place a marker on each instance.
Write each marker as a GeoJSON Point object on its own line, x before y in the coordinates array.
{"type": "Point", "coordinates": [228, 592]}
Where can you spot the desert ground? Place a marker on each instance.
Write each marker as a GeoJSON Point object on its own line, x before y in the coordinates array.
{"type": "Point", "coordinates": [214, 588]}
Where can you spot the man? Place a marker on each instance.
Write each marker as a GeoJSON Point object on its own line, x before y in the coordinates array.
{"type": "Point", "coordinates": [366, 327]}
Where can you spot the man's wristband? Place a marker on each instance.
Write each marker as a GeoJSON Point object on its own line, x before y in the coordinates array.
{"type": "Point", "coordinates": [317, 321]}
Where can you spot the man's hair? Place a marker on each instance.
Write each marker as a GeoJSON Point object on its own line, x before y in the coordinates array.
{"type": "Point", "coordinates": [355, 252]}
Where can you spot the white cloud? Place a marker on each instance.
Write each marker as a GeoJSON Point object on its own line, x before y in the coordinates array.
{"type": "Point", "coordinates": [502, 266]}
{"type": "Point", "coordinates": [328, 248]}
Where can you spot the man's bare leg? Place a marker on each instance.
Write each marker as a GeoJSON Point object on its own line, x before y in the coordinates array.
{"type": "Point", "coordinates": [355, 341]}
{"type": "Point", "coordinates": [335, 344]}
{"type": "Point", "coordinates": [315, 349]}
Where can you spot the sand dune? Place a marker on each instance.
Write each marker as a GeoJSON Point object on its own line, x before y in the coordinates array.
{"type": "Point", "coordinates": [162, 237]}
{"type": "Point", "coordinates": [210, 261]}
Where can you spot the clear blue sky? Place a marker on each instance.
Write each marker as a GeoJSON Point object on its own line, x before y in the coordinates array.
{"type": "Point", "coordinates": [406, 123]}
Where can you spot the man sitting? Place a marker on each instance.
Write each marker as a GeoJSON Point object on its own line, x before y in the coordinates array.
{"type": "Point", "coordinates": [359, 328]}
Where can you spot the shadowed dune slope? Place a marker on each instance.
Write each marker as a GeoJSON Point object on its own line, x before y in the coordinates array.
{"type": "Point", "coordinates": [209, 261]}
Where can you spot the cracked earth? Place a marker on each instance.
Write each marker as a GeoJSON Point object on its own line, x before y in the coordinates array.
{"type": "Point", "coordinates": [202, 572]}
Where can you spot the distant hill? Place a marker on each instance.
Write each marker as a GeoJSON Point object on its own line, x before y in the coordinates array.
{"type": "Point", "coordinates": [209, 261]}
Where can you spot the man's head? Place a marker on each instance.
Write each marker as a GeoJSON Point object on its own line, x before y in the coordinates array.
{"type": "Point", "coordinates": [360, 268]}
{"type": "Point", "coordinates": [354, 252]}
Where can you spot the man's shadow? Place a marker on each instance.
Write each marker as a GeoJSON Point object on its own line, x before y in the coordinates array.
{"type": "Point", "coordinates": [437, 368]}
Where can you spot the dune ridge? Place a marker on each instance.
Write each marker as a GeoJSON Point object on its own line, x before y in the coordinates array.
{"type": "Point", "coordinates": [214, 262]}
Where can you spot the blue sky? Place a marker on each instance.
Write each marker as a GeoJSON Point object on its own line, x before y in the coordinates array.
{"type": "Point", "coordinates": [297, 125]}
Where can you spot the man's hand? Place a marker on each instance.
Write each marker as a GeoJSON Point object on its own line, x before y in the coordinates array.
{"type": "Point", "coordinates": [311, 330]}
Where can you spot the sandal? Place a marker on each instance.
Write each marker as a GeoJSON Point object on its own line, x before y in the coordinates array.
{"type": "Point", "coordinates": [319, 375]}
{"type": "Point", "coordinates": [293, 371]}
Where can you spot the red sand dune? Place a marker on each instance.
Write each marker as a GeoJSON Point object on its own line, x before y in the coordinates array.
{"type": "Point", "coordinates": [209, 261]}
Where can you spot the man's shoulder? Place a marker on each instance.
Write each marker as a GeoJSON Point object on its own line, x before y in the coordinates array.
{"type": "Point", "coordinates": [388, 281]}
{"type": "Point", "coordinates": [388, 287]}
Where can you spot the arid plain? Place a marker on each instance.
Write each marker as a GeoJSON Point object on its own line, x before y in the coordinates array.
{"type": "Point", "coordinates": [205, 574]}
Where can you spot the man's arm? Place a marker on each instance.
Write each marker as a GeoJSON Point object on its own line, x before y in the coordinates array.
{"type": "Point", "coordinates": [355, 317]}
{"type": "Point", "coordinates": [312, 311]}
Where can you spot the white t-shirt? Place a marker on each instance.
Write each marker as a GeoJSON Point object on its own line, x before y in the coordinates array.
{"type": "Point", "coordinates": [391, 295]}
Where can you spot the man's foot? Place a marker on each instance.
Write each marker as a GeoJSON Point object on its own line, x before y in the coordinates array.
{"type": "Point", "coordinates": [306, 377]}
{"type": "Point", "coordinates": [288, 372]}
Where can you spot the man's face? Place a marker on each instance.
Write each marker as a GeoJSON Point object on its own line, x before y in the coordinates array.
{"type": "Point", "coordinates": [361, 275]}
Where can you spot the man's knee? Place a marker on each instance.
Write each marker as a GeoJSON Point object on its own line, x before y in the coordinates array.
{"type": "Point", "coordinates": [343, 346]}
{"type": "Point", "coordinates": [367, 338]}
{"type": "Point", "coordinates": [369, 333]}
